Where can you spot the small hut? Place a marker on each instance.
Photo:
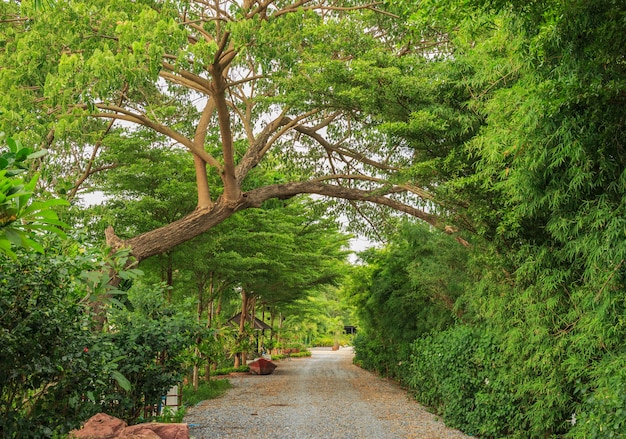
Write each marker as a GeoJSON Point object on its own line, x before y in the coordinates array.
{"type": "Point", "coordinates": [258, 325]}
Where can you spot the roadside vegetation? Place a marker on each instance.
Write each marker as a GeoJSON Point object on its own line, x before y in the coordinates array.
{"type": "Point", "coordinates": [206, 390]}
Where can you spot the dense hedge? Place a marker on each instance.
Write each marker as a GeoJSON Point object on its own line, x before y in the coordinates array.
{"type": "Point", "coordinates": [459, 373]}
{"type": "Point", "coordinates": [536, 347]}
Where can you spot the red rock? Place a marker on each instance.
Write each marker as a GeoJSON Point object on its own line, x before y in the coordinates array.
{"type": "Point", "coordinates": [141, 434]}
{"type": "Point", "coordinates": [100, 426]}
{"type": "Point", "coordinates": [163, 431]}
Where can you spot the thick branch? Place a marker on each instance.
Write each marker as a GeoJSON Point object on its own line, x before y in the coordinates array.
{"type": "Point", "coordinates": [256, 197]}
{"type": "Point", "coordinates": [403, 187]}
{"type": "Point", "coordinates": [218, 95]}
{"type": "Point", "coordinates": [167, 237]}
{"type": "Point", "coordinates": [255, 153]}
{"type": "Point", "coordinates": [169, 76]}
{"type": "Point", "coordinates": [202, 219]}
{"type": "Point", "coordinates": [203, 84]}
{"type": "Point", "coordinates": [202, 181]}
{"type": "Point", "coordinates": [140, 119]}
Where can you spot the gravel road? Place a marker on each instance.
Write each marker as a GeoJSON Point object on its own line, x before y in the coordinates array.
{"type": "Point", "coordinates": [321, 397]}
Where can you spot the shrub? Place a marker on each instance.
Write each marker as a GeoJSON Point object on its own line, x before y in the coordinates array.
{"type": "Point", "coordinates": [387, 359]}
{"type": "Point", "coordinates": [55, 372]}
{"type": "Point", "coordinates": [146, 344]}
{"type": "Point", "coordinates": [43, 334]}
{"type": "Point", "coordinates": [457, 372]}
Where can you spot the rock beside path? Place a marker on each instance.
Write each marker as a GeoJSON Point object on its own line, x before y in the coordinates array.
{"type": "Point", "coordinates": [103, 426]}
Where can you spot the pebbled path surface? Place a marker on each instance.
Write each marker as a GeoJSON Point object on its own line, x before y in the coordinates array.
{"type": "Point", "coordinates": [322, 397]}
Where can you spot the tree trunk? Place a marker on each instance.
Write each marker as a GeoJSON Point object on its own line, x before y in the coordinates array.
{"type": "Point", "coordinates": [195, 379]}
{"type": "Point", "coordinates": [242, 322]}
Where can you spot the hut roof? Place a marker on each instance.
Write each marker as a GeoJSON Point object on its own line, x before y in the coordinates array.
{"type": "Point", "coordinates": [259, 325]}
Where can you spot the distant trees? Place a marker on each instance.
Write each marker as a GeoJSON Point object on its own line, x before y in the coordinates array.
{"type": "Point", "coordinates": [263, 258]}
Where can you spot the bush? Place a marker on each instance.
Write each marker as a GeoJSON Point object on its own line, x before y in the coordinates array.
{"type": "Point", "coordinates": [146, 344]}
{"type": "Point", "coordinates": [386, 359]}
{"type": "Point", "coordinates": [56, 372]}
{"type": "Point", "coordinates": [227, 370]}
{"type": "Point", "coordinates": [43, 334]}
{"type": "Point", "coordinates": [458, 373]}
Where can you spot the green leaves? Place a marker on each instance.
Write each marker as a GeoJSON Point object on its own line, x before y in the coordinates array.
{"type": "Point", "coordinates": [121, 380]}
{"type": "Point", "coordinates": [22, 219]}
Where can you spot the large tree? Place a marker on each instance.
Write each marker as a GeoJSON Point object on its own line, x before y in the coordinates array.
{"type": "Point", "coordinates": [279, 84]}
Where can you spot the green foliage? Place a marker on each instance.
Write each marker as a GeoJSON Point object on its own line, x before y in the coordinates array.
{"type": "Point", "coordinates": [459, 372]}
{"type": "Point", "coordinates": [56, 372]}
{"type": "Point", "coordinates": [44, 336]}
{"type": "Point", "coordinates": [147, 344]}
{"type": "Point", "coordinates": [383, 357]}
{"type": "Point", "coordinates": [21, 217]}
{"type": "Point", "coordinates": [504, 117]}
{"type": "Point", "coordinates": [603, 412]}
{"type": "Point", "coordinates": [170, 416]}
{"type": "Point", "coordinates": [304, 353]}
{"type": "Point", "coordinates": [206, 390]}
{"type": "Point", "coordinates": [409, 289]}
{"type": "Point", "coordinates": [539, 185]}
{"type": "Point", "coordinates": [227, 370]}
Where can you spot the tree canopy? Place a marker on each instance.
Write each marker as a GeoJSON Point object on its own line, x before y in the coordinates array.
{"type": "Point", "coordinates": [279, 85]}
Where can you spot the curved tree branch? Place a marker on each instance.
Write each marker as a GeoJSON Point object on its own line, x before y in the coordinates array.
{"type": "Point", "coordinates": [403, 187]}
{"type": "Point", "coordinates": [313, 134]}
{"type": "Point", "coordinates": [202, 219]}
{"type": "Point", "coordinates": [115, 112]}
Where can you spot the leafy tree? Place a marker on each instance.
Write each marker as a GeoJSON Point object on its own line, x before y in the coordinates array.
{"type": "Point", "coordinates": [237, 85]}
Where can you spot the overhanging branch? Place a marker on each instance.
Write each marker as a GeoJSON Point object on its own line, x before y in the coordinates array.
{"type": "Point", "coordinates": [115, 112]}
{"type": "Point", "coordinates": [256, 197]}
{"type": "Point", "coordinates": [203, 219]}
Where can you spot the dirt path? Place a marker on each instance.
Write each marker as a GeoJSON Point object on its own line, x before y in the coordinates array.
{"type": "Point", "coordinates": [324, 396]}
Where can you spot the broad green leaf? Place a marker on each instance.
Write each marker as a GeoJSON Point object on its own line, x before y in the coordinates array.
{"type": "Point", "coordinates": [121, 380]}
{"type": "Point", "coordinates": [37, 154]}
{"type": "Point", "coordinates": [14, 145]}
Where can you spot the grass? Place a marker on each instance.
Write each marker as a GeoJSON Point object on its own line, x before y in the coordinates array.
{"type": "Point", "coordinates": [301, 354]}
{"type": "Point", "coordinates": [206, 390]}
{"type": "Point", "coordinates": [227, 370]}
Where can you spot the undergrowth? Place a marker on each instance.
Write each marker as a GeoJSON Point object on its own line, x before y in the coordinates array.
{"type": "Point", "coordinates": [206, 390]}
